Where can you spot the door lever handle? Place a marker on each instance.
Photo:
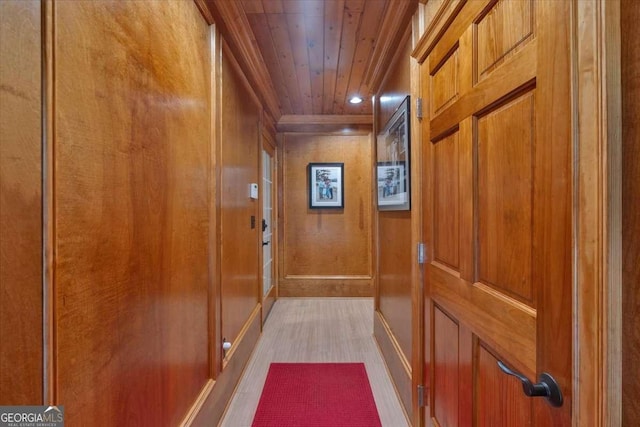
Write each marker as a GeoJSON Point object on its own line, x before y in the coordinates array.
{"type": "Point", "coordinates": [547, 387]}
{"type": "Point", "coordinates": [265, 243]}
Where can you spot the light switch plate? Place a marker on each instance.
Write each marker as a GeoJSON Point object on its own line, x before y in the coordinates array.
{"type": "Point", "coordinates": [253, 190]}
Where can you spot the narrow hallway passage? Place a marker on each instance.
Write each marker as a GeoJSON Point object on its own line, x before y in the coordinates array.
{"type": "Point", "coordinates": [316, 330]}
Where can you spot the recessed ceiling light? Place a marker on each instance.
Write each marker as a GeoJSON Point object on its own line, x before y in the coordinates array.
{"type": "Point", "coordinates": [355, 100]}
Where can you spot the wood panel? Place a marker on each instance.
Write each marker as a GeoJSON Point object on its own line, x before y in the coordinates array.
{"type": "Point", "coordinates": [394, 247]}
{"type": "Point", "coordinates": [445, 369]}
{"type": "Point", "coordinates": [319, 244]}
{"type": "Point", "coordinates": [514, 409]}
{"type": "Point", "coordinates": [505, 148]}
{"type": "Point", "coordinates": [394, 275]}
{"type": "Point", "coordinates": [507, 26]}
{"type": "Point", "coordinates": [394, 359]}
{"type": "Point", "coordinates": [630, 14]}
{"type": "Point", "coordinates": [240, 268]}
{"type": "Point", "coordinates": [444, 83]}
{"type": "Point", "coordinates": [131, 137]}
{"type": "Point", "coordinates": [216, 402]}
{"type": "Point", "coordinates": [446, 201]}
{"type": "Point", "coordinates": [21, 331]}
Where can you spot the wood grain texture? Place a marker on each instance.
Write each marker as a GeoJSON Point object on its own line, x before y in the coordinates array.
{"type": "Point", "coordinates": [514, 409]}
{"type": "Point", "coordinates": [510, 179]}
{"type": "Point", "coordinates": [218, 399]}
{"type": "Point", "coordinates": [446, 201]}
{"type": "Point", "coordinates": [394, 258]}
{"type": "Point", "coordinates": [395, 360]}
{"type": "Point", "coordinates": [630, 14]}
{"type": "Point", "coordinates": [320, 244]}
{"type": "Point", "coordinates": [445, 369]}
{"type": "Point", "coordinates": [21, 332]}
{"type": "Point", "coordinates": [240, 267]}
{"type": "Point", "coordinates": [505, 148]}
{"type": "Point", "coordinates": [313, 330]}
{"type": "Point", "coordinates": [506, 26]}
{"type": "Point", "coordinates": [131, 210]}
{"type": "Point", "coordinates": [444, 83]}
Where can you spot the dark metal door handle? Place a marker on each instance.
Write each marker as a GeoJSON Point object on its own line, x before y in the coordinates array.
{"type": "Point", "coordinates": [265, 243]}
{"type": "Point", "coordinates": [547, 387]}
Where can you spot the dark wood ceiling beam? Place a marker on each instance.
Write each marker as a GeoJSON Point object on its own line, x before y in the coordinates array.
{"type": "Point", "coordinates": [234, 26]}
{"type": "Point", "coordinates": [397, 18]}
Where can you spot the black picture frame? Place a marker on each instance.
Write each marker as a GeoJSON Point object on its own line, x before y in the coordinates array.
{"type": "Point", "coordinates": [326, 185]}
{"type": "Point", "coordinates": [393, 161]}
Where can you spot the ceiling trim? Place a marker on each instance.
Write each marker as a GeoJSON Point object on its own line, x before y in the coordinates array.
{"type": "Point", "coordinates": [344, 123]}
{"type": "Point", "coordinates": [396, 19]}
{"type": "Point", "coordinates": [235, 28]}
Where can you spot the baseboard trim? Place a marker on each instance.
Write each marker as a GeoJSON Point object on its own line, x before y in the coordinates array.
{"type": "Point", "coordinates": [214, 405]}
{"type": "Point", "coordinates": [328, 287]}
{"type": "Point", "coordinates": [397, 363]}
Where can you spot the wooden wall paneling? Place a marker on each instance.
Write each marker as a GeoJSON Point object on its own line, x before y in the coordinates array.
{"type": "Point", "coordinates": [215, 207]}
{"type": "Point", "coordinates": [395, 248]}
{"type": "Point", "coordinates": [131, 211]}
{"type": "Point", "coordinates": [235, 27]}
{"type": "Point", "coordinates": [211, 411]}
{"type": "Point", "coordinates": [239, 165]}
{"type": "Point", "coordinates": [630, 49]}
{"type": "Point", "coordinates": [21, 237]}
{"type": "Point", "coordinates": [341, 254]}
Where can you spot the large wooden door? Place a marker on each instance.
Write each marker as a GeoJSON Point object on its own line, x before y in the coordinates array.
{"type": "Point", "coordinates": [496, 84]}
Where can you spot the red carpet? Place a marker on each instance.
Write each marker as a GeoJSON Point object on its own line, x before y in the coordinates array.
{"type": "Point", "coordinates": [316, 395]}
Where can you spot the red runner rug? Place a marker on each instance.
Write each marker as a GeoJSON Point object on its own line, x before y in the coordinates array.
{"type": "Point", "coordinates": [316, 395]}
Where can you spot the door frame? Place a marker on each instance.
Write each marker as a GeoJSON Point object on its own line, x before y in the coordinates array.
{"type": "Point", "coordinates": [268, 144]}
{"type": "Point", "coordinates": [596, 213]}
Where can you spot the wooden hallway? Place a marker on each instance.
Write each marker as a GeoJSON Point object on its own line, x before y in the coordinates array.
{"type": "Point", "coordinates": [316, 330]}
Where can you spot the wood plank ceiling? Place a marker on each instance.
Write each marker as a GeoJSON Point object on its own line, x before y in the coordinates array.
{"type": "Point", "coordinates": [317, 53]}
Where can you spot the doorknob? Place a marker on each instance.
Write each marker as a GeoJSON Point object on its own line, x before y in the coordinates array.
{"type": "Point", "coordinates": [265, 243]}
{"type": "Point", "coordinates": [264, 224]}
{"type": "Point", "coordinates": [547, 387]}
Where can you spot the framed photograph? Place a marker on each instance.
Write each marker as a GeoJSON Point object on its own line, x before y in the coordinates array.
{"type": "Point", "coordinates": [326, 185]}
{"type": "Point", "coordinates": [392, 156]}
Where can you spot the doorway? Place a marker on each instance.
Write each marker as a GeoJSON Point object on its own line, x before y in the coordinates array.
{"type": "Point", "coordinates": [268, 289]}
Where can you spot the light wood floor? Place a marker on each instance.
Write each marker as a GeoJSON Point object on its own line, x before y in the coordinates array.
{"type": "Point", "coordinates": [316, 330]}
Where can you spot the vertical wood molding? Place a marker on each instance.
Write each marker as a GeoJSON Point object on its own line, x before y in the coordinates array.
{"type": "Point", "coordinates": [417, 272]}
{"type": "Point", "coordinates": [48, 206]}
{"type": "Point", "coordinates": [597, 213]}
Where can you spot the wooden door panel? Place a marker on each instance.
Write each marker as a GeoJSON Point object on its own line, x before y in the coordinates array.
{"type": "Point", "coordinates": [514, 74]}
{"type": "Point", "coordinates": [492, 180]}
{"type": "Point", "coordinates": [500, 401]}
{"type": "Point", "coordinates": [505, 144]}
{"type": "Point", "coordinates": [446, 201]}
{"type": "Point", "coordinates": [508, 325]}
{"type": "Point", "coordinates": [504, 28]}
{"type": "Point", "coordinates": [445, 362]}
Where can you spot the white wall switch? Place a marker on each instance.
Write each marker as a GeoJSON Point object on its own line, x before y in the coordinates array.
{"type": "Point", "coordinates": [253, 190]}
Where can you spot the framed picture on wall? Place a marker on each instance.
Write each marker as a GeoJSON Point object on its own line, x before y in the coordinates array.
{"type": "Point", "coordinates": [392, 157]}
{"type": "Point", "coordinates": [326, 185]}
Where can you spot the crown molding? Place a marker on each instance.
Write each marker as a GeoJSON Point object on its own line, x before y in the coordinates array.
{"type": "Point", "coordinates": [236, 30]}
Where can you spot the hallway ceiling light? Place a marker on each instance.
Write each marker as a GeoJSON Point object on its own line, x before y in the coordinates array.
{"type": "Point", "coordinates": [355, 100]}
